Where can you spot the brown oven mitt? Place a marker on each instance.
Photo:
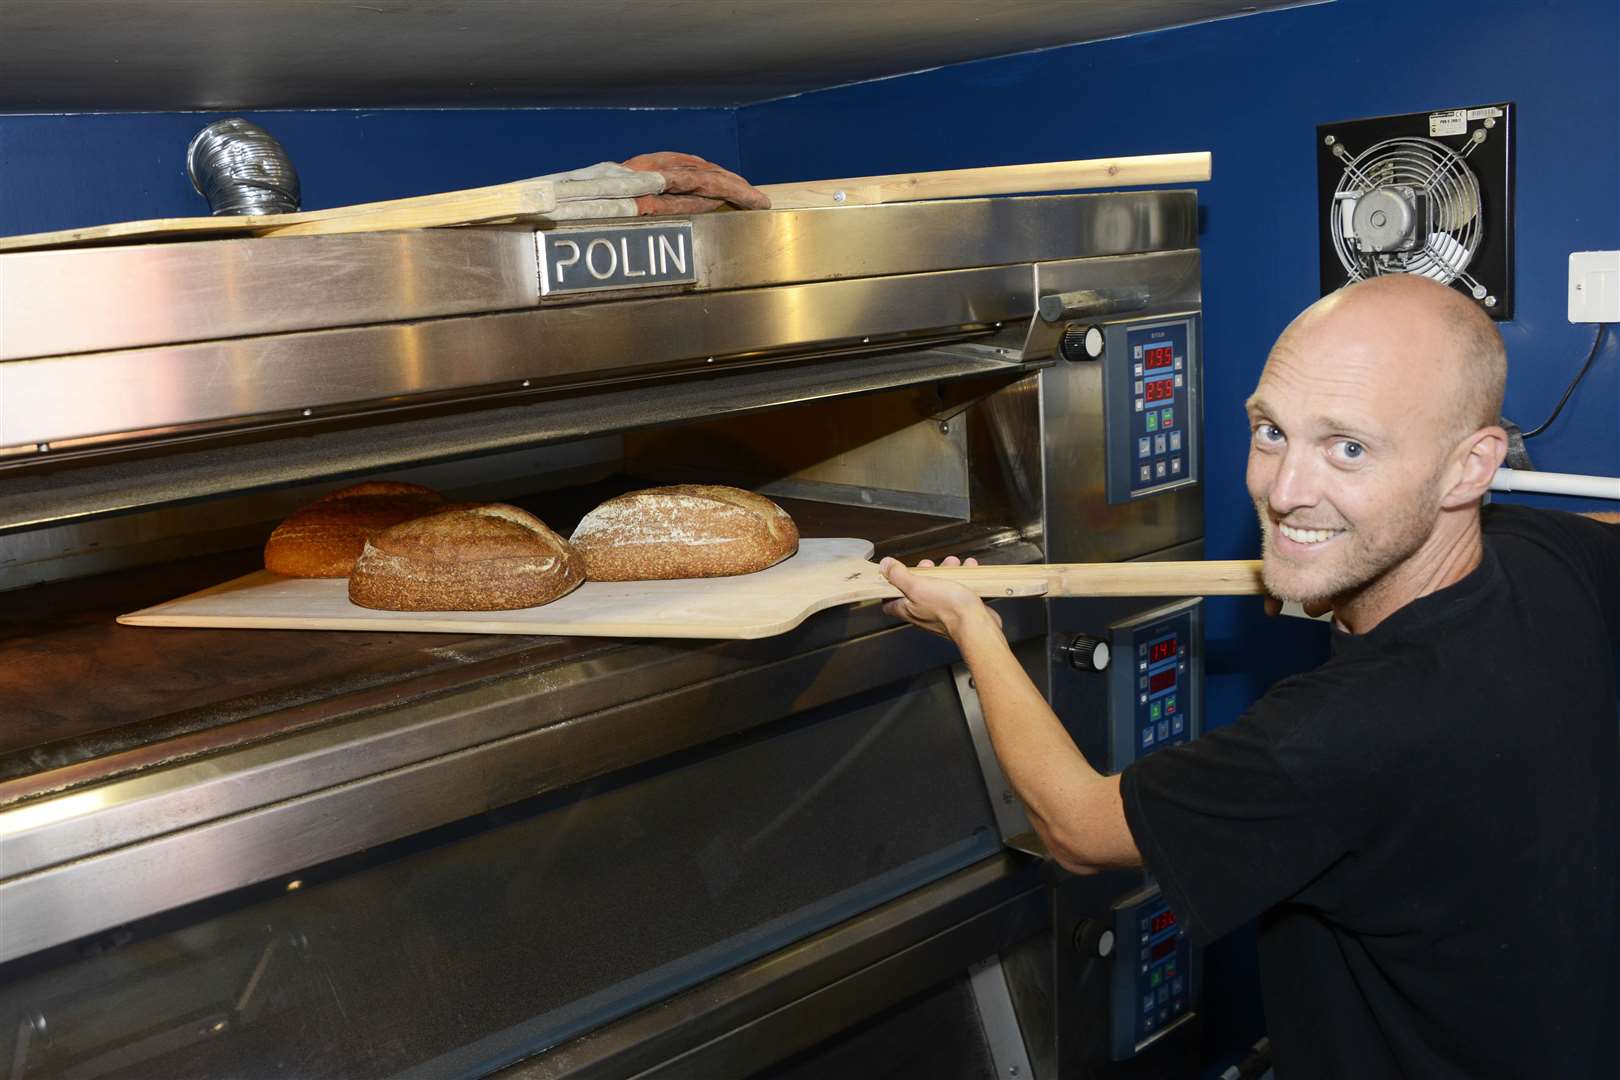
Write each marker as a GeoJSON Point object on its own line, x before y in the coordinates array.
{"type": "Point", "coordinates": [694, 186]}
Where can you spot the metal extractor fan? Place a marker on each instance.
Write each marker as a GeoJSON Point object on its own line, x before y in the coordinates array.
{"type": "Point", "coordinates": [1416, 202]}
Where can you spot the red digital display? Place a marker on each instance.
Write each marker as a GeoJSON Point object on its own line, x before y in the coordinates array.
{"type": "Point", "coordinates": [1164, 920]}
{"type": "Point", "coordinates": [1162, 681]}
{"type": "Point", "coordinates": [1160, 390]}
{"type": "Point", "coordinates": [1158, 357]}
{"type": "Point", "coordinates": [1163, 649]}
{"type": "Point", "coordinates": [1163, 949]}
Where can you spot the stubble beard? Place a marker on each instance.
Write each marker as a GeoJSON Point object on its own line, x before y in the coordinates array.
{"type": "Point", "coordinates": [1364, 562]}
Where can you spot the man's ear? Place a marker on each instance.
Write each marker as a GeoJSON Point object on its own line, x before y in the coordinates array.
{"type": "Point", "coordinates": [1474, 464]}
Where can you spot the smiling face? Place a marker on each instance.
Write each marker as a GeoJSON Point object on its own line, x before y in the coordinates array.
{"type": "Point", "coordinates": [1358, 427]}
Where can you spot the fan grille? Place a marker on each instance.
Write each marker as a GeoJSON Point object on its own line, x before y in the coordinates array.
{"type": "Point", "coordinates": [1453, 229]}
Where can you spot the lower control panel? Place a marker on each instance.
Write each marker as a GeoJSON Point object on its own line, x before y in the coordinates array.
{"type": "Point", "coordinates": [1154, 987]}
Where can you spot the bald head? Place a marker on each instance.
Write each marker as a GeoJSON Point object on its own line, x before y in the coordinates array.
{"type": "Point", "coordinates": [1442, 339]}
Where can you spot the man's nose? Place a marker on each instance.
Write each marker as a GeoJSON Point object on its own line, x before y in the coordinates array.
{"type": "Point", "coordinates": [1297, 483]}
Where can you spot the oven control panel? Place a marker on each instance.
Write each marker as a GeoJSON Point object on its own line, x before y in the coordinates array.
{"type": "Point", "coordinates": [1156, 698]}
{"type": "Point", "coordinates": [1151, 406]}
{"type": "Point", "coordinates": [1154, 988]}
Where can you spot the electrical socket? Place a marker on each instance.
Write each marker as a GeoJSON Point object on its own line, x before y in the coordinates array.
{"type": "Point", "coordinates": [1594, 286]}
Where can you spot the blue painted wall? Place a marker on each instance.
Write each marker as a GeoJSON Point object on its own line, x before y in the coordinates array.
{"type": "Point", "coordinates": [1252, 90]}
{"type": "Point", "coordinates": [63, 171]}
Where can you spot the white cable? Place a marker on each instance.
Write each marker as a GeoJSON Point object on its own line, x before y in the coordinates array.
{"type": "Point", "coordinates": [1551, 483]}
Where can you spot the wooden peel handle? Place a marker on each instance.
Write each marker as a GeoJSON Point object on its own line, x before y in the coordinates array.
{"type": "Point", "coordinates": [1239, 577]}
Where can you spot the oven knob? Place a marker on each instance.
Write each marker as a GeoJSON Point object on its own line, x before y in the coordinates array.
{"type": "Point", "coordinates": [1092, 938]}
{"type": "Point", "coordinates": [1081, 342]}
{"type": "Point", "coordinates": [1086, 653]}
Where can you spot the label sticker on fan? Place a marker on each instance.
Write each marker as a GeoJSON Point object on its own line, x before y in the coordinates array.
{"type": "Point", "coordinates": [1454, 122]}
{"type": "Point", "coordinates": [1490, 112]}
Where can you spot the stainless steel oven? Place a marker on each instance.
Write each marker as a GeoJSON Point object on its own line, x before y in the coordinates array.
{"type": "Point", "coordinates": [276, 853]}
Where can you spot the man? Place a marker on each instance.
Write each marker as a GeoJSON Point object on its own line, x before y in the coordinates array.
{"type": "Point", "coordinates": [1426, 825]}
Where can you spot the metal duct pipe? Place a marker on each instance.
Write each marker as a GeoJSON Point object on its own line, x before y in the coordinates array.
{"type": "Point", "coordinates": [240, 168]}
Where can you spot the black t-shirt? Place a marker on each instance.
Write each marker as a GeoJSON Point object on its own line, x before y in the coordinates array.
{"type": "Point", "coordinates": [1427, 826]}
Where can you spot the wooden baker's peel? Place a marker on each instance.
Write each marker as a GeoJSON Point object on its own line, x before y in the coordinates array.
{"type": "Point", "coordinates": [824, 574]}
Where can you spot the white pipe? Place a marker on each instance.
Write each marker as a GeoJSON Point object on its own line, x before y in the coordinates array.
{"type": "Point", "coordinates": [1554, 483]}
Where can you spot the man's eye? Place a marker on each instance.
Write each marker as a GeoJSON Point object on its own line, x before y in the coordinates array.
{"type": "Point", "coordinates": [1352, 450]}
{"type": "Point", "coordinates": [1268, 433]}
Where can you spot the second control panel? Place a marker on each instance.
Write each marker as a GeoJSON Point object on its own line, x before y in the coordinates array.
{"type": "Point", "coordinates": [1155, 700]}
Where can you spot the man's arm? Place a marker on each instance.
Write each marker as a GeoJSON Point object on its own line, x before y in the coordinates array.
{"type": "Point", "coordinates": [1604, 515]}
{"type": "Point", "coordinates": [1075, 809]}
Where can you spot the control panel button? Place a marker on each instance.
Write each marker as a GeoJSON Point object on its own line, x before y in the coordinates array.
{"type": "Point", "coordinates": [1153, 420]}
{"type": "Point", "coordinates": [1159, 444]}
{"type": "Point", "coordinates": [1147, 736]}
{"type": "Point", "coordinates": [1167, 417]}
{"type": "Point", "coordinates": [1144, 446]}
{"type": "Point", "coordinates": [1136, 369]}
{"type": "Point", "coordinates": [1180, 379]}
{"type": "Point", "coordinates": [1145, 474]}
{"type": "Point", "coordinates": [1159, 469]}
{"type": "Point", "coordinates": [1138, 404]}
{"type": "Point", "coordinates": [1138, 386]}
{"type": "Point", "coordinates": [1175, 466]}
{"type": "Point", "coordinates": [1163, 731]}
{"type": "Point", "coordinates": [1175, 439]}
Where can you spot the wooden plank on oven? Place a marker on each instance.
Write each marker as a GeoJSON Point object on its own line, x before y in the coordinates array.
{"type": "Point", "coordinates": [1091, 173]}
{"type": "Point", "coordinates": [471, 206]}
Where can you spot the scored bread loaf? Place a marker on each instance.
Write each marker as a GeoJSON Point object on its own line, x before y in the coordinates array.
{"type": "Point", "coordinates": [684, 531]}
{"type": "Point", "coordinates": [324, 538]}
{"type": "Point", "coordinates": [492, 557]}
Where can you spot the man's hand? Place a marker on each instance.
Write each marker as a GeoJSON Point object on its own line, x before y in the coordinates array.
{"type": "Point", "coordinates": [940, 607]}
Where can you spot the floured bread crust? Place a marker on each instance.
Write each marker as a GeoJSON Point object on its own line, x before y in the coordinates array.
{"type": "Point", "coordinates": [491, 557]}
{"type": "Point", "coordinates": [325, 538]}
{"type": "Point", "coordinates": [684, 531]}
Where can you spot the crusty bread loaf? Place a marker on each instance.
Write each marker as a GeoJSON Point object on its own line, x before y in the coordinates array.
{"type": "Point", "coordinates": [684, 531]}
{"type": "Point", "coordinates": [324, 538]}
{"type": "Point", "coordinates": [481, 558]}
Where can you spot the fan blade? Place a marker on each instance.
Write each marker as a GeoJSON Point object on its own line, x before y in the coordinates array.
{"type": "Point", "coordinates": [1456, 211]}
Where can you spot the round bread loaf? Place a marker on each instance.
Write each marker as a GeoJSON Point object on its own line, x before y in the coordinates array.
{"type": "Point", "coordinates": [480, 558]}
{"type": "Point", "coordinates": [684, 531]}
{"type": "Point", "coordinates": [324, 538]}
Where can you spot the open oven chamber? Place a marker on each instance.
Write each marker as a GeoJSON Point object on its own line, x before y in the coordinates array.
{"type": "Point", "coordinates": [329, 853]}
